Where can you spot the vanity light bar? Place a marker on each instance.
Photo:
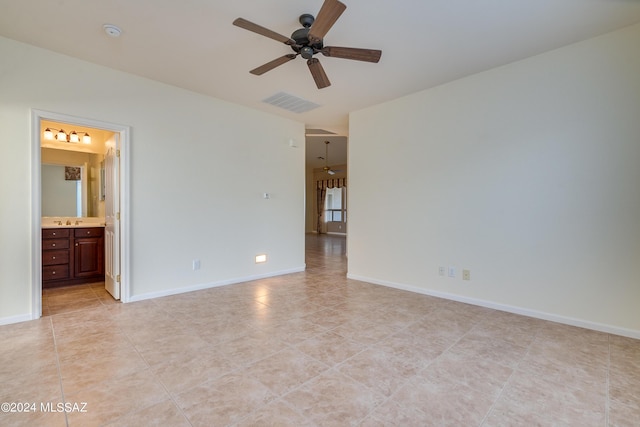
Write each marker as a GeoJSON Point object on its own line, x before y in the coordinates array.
{"type": "Point", "coordinates": [61, 135]}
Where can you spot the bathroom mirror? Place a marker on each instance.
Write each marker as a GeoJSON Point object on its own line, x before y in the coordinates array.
{"type": "Point", "coordinates": [63, 196]}
{"type": "Point", "coordinates": [80, 193]}
{"type": "Point", "coordinates": [71, 184]}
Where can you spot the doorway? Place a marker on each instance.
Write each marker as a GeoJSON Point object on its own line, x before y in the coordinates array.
{"type": "Point", "coordinates": [117, 229]}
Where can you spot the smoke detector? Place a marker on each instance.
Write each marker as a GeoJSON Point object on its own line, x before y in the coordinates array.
{"type": "Point", "coordinates": [112, 30]}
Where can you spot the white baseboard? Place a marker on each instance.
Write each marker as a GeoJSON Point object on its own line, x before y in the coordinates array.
{"type": "Point", "coordinates": [503, 307]}
{"type": "Point", "coordinates": [15, 319]}
{"type": "Point", "coordinates": [201, 286]}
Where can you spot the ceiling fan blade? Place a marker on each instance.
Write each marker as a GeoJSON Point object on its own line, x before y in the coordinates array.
{"type": "Point", "coordinates": [328, 15]}
{"type": "Point", "coordinates": [272, 64]}
{"type": "Point", "coordinates": [248, 25]}
{"type": "Point", "coordinates": [368, 55]}
{"type": "Point", "coordinates": [318, 73]}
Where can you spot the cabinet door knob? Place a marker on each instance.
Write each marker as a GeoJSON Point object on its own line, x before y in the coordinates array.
{"type": "Point", "coordinates": [53, 272]}
{"type": "Point", "coordinates": [53, 258]}
{"type": "Point", "coordinates": [88, 232]}
{"type": "Point", "coordinates": [53, 244]}
{"type": "Point", "coordinates": [54, 233]}
{"type": "Point", "coordinates": [76, 244]}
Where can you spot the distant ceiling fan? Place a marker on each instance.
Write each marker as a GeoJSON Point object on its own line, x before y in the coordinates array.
{"type": "Point", "coordinates": [308, 41]}
{"type": "Point", "coordinates": [326, 167]}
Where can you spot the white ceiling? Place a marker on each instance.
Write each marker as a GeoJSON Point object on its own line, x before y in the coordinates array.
{"type": "Point", "coordinates": [193, 44]}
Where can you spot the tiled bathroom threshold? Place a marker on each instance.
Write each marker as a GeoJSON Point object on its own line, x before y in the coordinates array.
{"type": "Point", "coordinates": [66, 299]}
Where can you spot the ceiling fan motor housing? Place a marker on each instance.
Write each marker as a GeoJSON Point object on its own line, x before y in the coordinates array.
{"type": "Point", "coordinates": [301, 37]}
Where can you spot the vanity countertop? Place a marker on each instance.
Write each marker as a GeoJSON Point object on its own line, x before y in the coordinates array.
{"type": "Point", "coordinates": [72, 222]}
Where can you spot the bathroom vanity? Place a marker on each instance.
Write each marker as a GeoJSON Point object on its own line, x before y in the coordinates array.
{"type": "Point", "coordinates": [72, 255]}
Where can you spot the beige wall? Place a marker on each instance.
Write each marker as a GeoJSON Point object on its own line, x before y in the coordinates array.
{"type": "Point", "coordinates": [527, 175]}
{"type": "Point", "coordinates": [198, 173]}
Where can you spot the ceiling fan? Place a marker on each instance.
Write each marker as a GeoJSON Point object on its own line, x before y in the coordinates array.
{"type": "Point", "coordinates": [326, 167]}
{"type": "Point", "coordinates": [308, 41]}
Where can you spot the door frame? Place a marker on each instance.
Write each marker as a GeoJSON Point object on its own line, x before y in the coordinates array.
{"type": "Point", "coordinates": [36, 201]}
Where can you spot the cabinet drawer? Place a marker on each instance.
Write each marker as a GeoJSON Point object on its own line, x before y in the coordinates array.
{"type": "Point", "coordinates": [89, 232]}
{"type": "Point", "coordinates": [48, 244]}
{"type": "Point", "coordinates": [53, 233]}
{"type": "Point", "coordinates": [55, 257]}
{"type": "Point", "coordinates": [54, 272]}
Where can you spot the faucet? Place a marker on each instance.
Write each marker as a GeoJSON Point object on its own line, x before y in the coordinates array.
{"type": "Point", "coordinates": [78, 222]}
{"type": "Point", "coordinates": [68, 222]}
{"type": "Point", "coordinates": [59, 222]}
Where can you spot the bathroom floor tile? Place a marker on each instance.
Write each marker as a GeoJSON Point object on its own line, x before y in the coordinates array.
{"type": "Point", "coordinates": [74, 298]}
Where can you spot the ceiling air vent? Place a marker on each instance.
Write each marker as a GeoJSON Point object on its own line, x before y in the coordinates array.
{"type": "Point", "coordinates": [290, 102]}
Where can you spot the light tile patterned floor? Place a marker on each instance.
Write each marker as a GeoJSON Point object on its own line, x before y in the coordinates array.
{"type": "Point", "coordinates": [313, 349]}
{"type": "Point", "coordinates": [73, 298]}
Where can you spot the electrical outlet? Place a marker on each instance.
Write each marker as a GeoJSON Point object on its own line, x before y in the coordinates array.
{"type": "Point", "coordinates": [466, 275]}
{"type": "Point", "coordinates": [452, 272]}
{"type": "Point", "coordinates": [441, 271]}
{"type": "Point", "coordinates": [196, 264]}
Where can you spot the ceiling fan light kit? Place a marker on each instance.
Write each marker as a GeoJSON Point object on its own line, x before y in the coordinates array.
{"type": "Point", "coordinates": [309, 41]}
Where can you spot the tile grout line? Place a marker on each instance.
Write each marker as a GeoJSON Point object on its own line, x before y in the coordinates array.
{"type": "Point", "coordinates": [55, 348]}
{"type": "Point", "coordinates": [445, 351]}
{"type": "Point", "coordinates": [299, 386]}
{"type": "Point", "coordinates": [128, 339]}
{"type": "Point", "coordinates": [413, 377]}
{"type": "Point", "coordinates": [236, 369]}
{"type": "Point", "coordinates": [506, 383]}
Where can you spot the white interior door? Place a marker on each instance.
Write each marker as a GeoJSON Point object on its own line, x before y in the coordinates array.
{"type": "Point", "coordinates": [112, 217]}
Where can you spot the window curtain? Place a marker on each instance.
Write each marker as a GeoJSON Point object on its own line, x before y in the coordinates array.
{"type": "Point", "coordinates": [321, 193]}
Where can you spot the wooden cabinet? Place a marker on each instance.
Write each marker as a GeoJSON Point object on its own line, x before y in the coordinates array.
{"type": "Point", "coordinates": [55, 254]}
{"type": "Point", "coordinates": [88, 252]}
{"type": "Point", "coordinates": [72, 256]}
